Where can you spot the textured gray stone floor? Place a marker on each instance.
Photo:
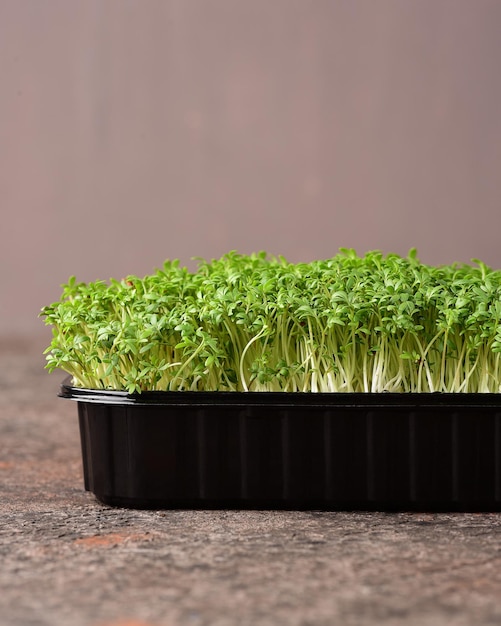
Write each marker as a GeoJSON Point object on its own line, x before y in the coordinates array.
{"type": "Point", "coordinates": [65, 559]}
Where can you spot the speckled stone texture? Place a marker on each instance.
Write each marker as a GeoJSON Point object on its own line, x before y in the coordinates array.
{"type": "Point", "coordinates": [66, 559]}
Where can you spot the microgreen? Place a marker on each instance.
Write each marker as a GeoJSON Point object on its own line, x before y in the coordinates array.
{"type": "Point", "coordinates": [351, 323]}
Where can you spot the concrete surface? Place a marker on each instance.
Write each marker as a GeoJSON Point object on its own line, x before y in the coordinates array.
{"type": "Point", "coordinates": [65, 559]}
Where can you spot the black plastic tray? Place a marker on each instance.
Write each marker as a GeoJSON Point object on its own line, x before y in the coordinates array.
{"type": "Point", "coordinates": [291, 450]}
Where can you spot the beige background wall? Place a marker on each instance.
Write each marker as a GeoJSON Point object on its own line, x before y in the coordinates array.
{"type": "Point", "coordinates": [137, 130]}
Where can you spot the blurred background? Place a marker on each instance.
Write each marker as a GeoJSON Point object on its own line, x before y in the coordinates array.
{"type": "Point", "coordinates": [132, 131]}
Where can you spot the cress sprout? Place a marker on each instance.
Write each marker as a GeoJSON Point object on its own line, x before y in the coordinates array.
{"type": "Point", "coordinates": [351, 323]}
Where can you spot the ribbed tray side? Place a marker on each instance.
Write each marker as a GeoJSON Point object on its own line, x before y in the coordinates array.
{"type": "Point", "coordinates": [293, 457]}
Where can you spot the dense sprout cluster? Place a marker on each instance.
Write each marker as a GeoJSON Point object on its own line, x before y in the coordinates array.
{"type": "Point", "coordinates": [253, 323]}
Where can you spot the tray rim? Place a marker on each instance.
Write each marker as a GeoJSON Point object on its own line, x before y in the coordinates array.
{"type": "Point", "coordinates": [277, 399]}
